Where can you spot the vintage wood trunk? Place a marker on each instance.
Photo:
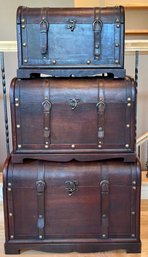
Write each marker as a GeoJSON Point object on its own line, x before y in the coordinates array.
{"type": "Point", "coordinates": [73, 118]}
{"type": "Point", "coordinates": [74, 206]}
{"type": "Point", "coordinates": [70, 41]}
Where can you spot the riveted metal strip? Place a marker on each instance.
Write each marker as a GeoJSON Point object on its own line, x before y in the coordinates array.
{"type": "Point", "coordinates": [104, 191]}
{"type": "Point", "coordinates": [133, 200]}
{"type": "Point", "coordinates": [10, 202]}
{"type": "Point", "coordinates": [40, 187]}
{"type": "Point", "coordinates": [117, 37]}
{"type": "Point", "coordinates": [129, 106]}
{"type": "Point", "coordinates": [24, 36]}
{"type": "Point", "coordinates": [17, 104]}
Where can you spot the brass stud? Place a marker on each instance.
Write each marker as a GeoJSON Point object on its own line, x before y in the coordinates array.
{"type": "Point", "coordinates": [116, 61]}
{"type": "Point", "coordinates": [23, 26]}
{"type": "Point", "coordinates": [19, 146]}
{"type": "Point", "coordinates": [117, 20]}
{"type": "Point", "coordinates": [129, 104]}
{"type": "Point", "coordinates": [9, 189]}
{"type": "Point", "coordinates": [24, 44]}
{"type": "Point", "coordinates": [73, 146]}
{"type": "Point", "coordinates": [10, 214]}
{"type": "Point", "coordinates": [53, 61]}
{"type": "Point", "coordinates": [25, 60]}
{"type": "Point", "coordinates": [128, 125]}
{"type": "Point", "coordinates": [99, 146]}
{"type": "Point", "coordinates": [129, 99]}
{"type": "Point", "coordinates": [127, 145]}
{"type": "Point", "coordinates": [88, 62]}
{"type": "Point", "coordinates": [11, 236]}
{"type": "Point", "coordinates": [18, 125]}
{"type": "Point", "coordinates": [46, 146]}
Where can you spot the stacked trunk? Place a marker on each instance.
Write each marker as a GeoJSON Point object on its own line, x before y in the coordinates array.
{"type": "Point", "coordinates": [72, 182]}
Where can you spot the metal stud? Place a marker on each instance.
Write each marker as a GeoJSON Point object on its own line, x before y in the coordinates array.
{"type": "Point", "coordinates": [22, 20]}
{"type": "Point", "coordinates": [103, 235]}
{"type": "Point", "coordinates": [46, 142]}
{"type": "Point", "coordinates": [46, 146]}
{"type": "Point", "coordinates": [25, 60]}
{"type": "Point", "coordinates": [40, 236]}
{"type": "Point", "coordinates": [128, 125]}
{"type": "Point", "coordinates": [24, 44]}
{"type": "Point", "coordinates": [23, 26]}
{"type": "Point", "coordinates": [134, 182]}
{"type": "Point", "coordinates": [117, 20]}
{"type": "Point", "coordinates": [17, 104]}
{"type": "Point", "coordinates": [127, 145]}
{"type": "Point", "coordinates": [117, 45]}
{"type": "Point", "coordinates": [104, 215]}
{"type": "Point", "coordinates": [133, 235]}
{"type": "Point", "coordinates": [97, 57]}
{"type": "Point", "coordinates": [9, 189]}
{"type": "Point", "coordinates": [19, 146]}
{"type": "Point", "coordinates": [116, 61]}
{"type": "Point", "coordinates": [134, 188]}
{"type": "Point", "coordinates": [40, 216]}
{"type": "Point", "coordinates": [11, 236]}
{"type": "Point", "coordinates": [9, 184]}
{"type": "Point", "coordinates": [128, 99]}
{"type": "Point", "coordinates": [18, 125]}
{"type": "Point", "coordinates": [99, 146]}
{"type": "Point", "coordinates": [44, 57]}
{"type": "Point", "coordinates": [10, 214]}
{"type": "Point", "coordinates": [97, 46]}
{"type": "Point", "coordinates": [16, 99]}
{"type": "Point", "coordinates": [53, 61]}
{"type": "Point", "coordinates": [133, 212]}
{"type": "Point", "coordinates": [88, 61]}
{"type": "Point", "coordinates": [118, 25]}
{"type": "Point", "coordinates": [73, 146]}
{"type": "Point", "coordinates": [46, 97]}
{"type": "Point", "coordinates": [129, 104]}
{"type": "Point", "coordinates": [100, 142]}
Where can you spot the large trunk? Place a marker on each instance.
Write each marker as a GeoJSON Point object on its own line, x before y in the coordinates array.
{"type": "Point", "coordinates": [74, 202]}
{"type": "Point", "coordinates": [81, 41]}
{"type": "Point", "coordinates": [83, 119]}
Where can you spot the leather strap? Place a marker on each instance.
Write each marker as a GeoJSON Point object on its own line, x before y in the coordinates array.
{"type": "Point", "coordinates": [97, 27]}
{"type": "Point", "coordinates": [44, 32]}
{"type": "Point", "coordinates": [101, 112]}
{"type": "Point", "coordinates": [104, 190]}
{"type": "Point", "coordinates": [47, 111]}
{"type": "Point", "coordinates": [40, 187]}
